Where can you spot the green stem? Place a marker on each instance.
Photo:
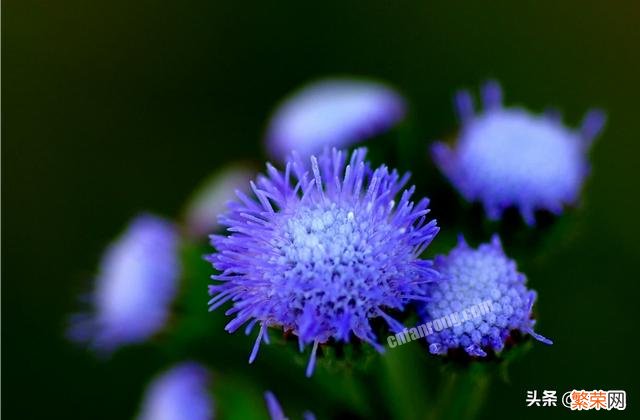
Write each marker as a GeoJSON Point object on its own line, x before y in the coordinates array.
{"type": "Point", "coordinates": [462, 393]}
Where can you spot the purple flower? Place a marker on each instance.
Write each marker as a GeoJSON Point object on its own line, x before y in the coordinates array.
{"type": "Point", "coordinates": [275, 411]}
{"type": "Point", "coordinates": [332, 113]}
{"type": "Point", "coordinates": [135, 286]}
{"type": "Point", "coordinates": [470, 278]}
{"type": "Point", "coordinates": [321, 254]}
{"type": "Point", "coordinates": [509, 157]}
{"type": "Point", "coordinates": [180, 393]}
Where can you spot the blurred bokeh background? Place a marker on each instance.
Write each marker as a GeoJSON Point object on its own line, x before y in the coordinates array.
{"type": "Point", "coordinates": [113, 107]}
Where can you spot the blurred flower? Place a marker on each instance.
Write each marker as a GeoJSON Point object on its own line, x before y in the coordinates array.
{"type": "Point", "coordinates": [508, 157]}
{"type": "Point", "coordinates": [134, 288]}
{"type": "Point", "coordinates": [470, 277]}
{"type": "Point", "coordinates": [332, 113]}
{"type": "Point", "coordinates": [180, 393]}
{"type": "Point", "coordinates": [212, 197]}
{"type": "Point", "coordinates": [323, 254]}
{"type": "Point", "coordinates": [275, 411]}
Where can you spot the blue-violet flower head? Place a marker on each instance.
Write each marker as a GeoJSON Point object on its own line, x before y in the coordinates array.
{"type": "Point", "coordinates": [181, 393]}
{"type": "Point", "coordinates": [135, 287]}
{"type": "Point", "coordinates": [508, 157]}
{"type": "Point", "coordinates": [332, 113]}
{"type": "Point", "coordinates": [483, 282]}
{"type": "Point", "coordinates": [324, 248]}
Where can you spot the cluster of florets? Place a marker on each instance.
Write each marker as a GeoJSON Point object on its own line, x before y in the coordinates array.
{"type": "Point", "coordinates": [323, 248]}
{"type": "Point", "coordinates": [329, 243]}
{"type": "Point", "coordinates": [483, 277]}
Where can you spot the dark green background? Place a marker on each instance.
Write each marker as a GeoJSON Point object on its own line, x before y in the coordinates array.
{"type": "Point", "coordinates": [111, 107]}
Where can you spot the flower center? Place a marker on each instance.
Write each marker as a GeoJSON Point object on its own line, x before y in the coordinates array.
{"type": "Point", "coordinates": [328, 267]}
{"type": "Point", "coordinates": [323, 236]}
